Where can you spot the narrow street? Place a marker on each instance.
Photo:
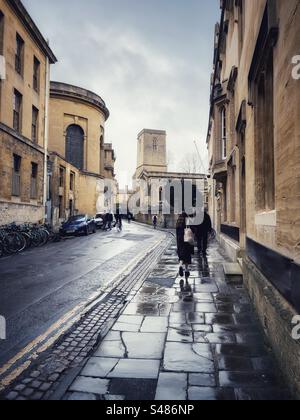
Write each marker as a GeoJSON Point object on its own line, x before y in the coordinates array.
{"type": "Point", "coordinates": [39, 287]}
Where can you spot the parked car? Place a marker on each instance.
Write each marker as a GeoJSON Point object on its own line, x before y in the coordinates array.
{"type": "Point", "coordinates": [99, 220]}
{"type": "Point", "coordinates": [76, 225]}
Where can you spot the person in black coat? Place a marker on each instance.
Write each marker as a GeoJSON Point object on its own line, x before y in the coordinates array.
{"type": "Point", "coordinates": [201, 233]}
{"type": "Point", "coordinates": [185, 250]}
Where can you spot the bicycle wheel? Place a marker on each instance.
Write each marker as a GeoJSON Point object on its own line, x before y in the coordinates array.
{"type": "Point", "coordinates": [27, 238]}
{"type": "Point", "coordinates": [45, 235]}
{"type": "Point", "coordinates": [35, 239]}
{"type": "Point", "coordinates": [1, 249]}
{"type": "Point", "coordinates": [15, 242]}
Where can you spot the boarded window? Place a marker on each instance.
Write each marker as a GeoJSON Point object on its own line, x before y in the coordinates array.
{"type": "Point", "coordinates": [75, 146]}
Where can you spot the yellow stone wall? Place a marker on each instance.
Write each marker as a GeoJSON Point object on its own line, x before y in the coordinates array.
{"type": "Point", "coordinates": [89, 182]}
{"type": "Point", "coordinates": [279, 230]}
{"type": "Point", "coordinates": [64, 113]}
{"type": "Point", "coordinates": [24, 85]}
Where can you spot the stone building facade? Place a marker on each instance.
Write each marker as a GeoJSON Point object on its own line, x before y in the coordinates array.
{"type": "Point", "coordinates": [109, 161]}
{"type": "Point", "coordinates": [80, 159]}
{"type": "Point", "coordinates": [164, 189]}
{"type": "Point", "coordinates": [254, 147]}
{"type": "Point", "coordinates": [25, 58]}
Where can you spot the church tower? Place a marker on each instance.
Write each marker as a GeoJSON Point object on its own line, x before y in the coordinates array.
{"type": "Point", "coordinates": [152, 151]}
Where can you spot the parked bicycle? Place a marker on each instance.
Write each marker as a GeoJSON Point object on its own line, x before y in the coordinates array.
{"type": "Point", "coordinates": [16, 238]}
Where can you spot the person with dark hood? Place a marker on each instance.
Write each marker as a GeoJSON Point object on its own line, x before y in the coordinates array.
{"type": "Point", "coordinates": [201, 233]}
{"type": "Point", "coordinates": [154, 221]}
{"type": "Point", "coordinates": [185, 246]}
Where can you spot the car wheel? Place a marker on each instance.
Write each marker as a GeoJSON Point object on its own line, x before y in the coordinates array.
{"type": "Point", "coordinates": [86, 231]}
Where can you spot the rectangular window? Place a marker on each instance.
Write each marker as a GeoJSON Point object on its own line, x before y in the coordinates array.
{"type": "Point", "coordinates": [1, 33]}
{"type": "Point", "coordinates": [19, 57]}
{"type": "Point", "coordinates": [34, 179]}
{"type": "Point", "coordinates": [61, 207]}
{"type": "Point", "coordinates": [72, 181]}
{"type": "Point", "coordinates": [61, 177]}
{"type": "Point", "coordinates": [224, 133]}
{"type": "Point", "coordinates": [17, 111]}
{"type": "Point", "coordinates": [36, 74]}
{"type": "Point", "coordinates": [264, 127]}
{"type": "Point", "coordinates": [34, 127]}
{"type": "Point", "coordinates": [16, 180]}
{"type": "Point", "coordinates": [241, 24]}
{"type": "Point", "coordinates": [71, 208]}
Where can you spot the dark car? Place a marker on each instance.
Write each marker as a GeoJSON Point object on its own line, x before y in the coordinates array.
{"type": "Point", "coordinates": [77, 225]}
{"type": "Point", "coordinates": [99, 220]}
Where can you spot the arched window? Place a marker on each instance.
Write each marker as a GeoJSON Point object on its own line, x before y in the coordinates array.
{"type": "Point", "coordinates": [155, 145]}
{"type": "Point", "coordinates": [75, 146]}
{"type": "Point", "coordinates": [224, 132]}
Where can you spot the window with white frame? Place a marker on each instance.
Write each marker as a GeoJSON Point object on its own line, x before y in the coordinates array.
{"type": "Point", "coordinates": [224, 132]}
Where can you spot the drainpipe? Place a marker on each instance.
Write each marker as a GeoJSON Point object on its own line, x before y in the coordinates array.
{"type": "Point", "coordinates": [46, 135]}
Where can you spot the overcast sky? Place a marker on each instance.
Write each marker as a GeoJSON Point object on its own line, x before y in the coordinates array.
{"type": "Point", "coordinates": [150, 60]}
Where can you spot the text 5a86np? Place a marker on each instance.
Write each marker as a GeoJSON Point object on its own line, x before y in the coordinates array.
{"type": "Point", "coordinates": [171, 410]}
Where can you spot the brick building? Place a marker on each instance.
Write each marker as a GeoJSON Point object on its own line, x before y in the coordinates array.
{"type": "Point", "coordinates": [25, 61]}
{"type": "Point", "coordinates": [254, 149]}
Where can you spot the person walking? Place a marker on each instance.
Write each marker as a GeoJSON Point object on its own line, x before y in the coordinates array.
{"type": "Point", "coordinates": [110, 219]}
{"type": "Point", "coordinates": [185, 247]}
{"type": "Point", "coordinates": [201, 232]}
{"type": "Point", "coordinates": [154, 221]}
{"type": "Point", "coordinates": [118, 221]}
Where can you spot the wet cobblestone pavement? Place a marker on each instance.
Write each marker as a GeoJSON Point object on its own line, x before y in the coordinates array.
{"type": "Point", "coordinates": [160, 345]}
{"type": "Point", "coordinates": [165, 348]}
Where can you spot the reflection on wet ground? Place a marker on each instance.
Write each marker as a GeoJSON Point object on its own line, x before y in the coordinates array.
{"type": "Point", "coordinates": [203, 342]}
